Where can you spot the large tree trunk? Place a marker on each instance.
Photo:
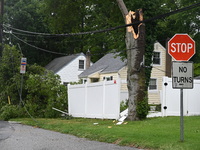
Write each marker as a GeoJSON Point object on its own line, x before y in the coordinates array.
{"type": "Point", "coordinates": [135, 44]}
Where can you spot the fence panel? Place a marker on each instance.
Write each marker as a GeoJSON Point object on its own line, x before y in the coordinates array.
{"type": "Point", "coordinates": [95, 100]}
{"type": "Point", "coordinates": [171, 99]}
{"type": "Point", "coordinates": [76, 100]}
{"type": "Point", "coordinates": [193, 97]}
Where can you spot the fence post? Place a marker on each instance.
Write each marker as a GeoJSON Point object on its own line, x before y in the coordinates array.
{"type": "Point", "coordinates": [163, 104]}
{"type": "Point", "coordinates": [119, 95]}
{"type": "Point", "coordinates": [69, 104]}
{"type": "Point", "coordinates": [86, 99]}
{"type": "Point", "coordinates": [104, 97]}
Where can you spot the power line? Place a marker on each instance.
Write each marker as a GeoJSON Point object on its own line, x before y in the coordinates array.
{"type": "Point", "coordinates": [28, 33]}
{"type": "Point", "coordinates": [36, 46]}
{"type": "Point", "coordinates": [109, 29]}
{"type": "Point", "coordinates": [65, 54]}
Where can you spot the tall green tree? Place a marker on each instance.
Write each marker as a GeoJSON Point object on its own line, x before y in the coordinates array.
{"type": "Point", "coordinates": [66, 16]}
{"type": "Point", "coordinates": [27, 15]}
{"type": "Point", "coordinates": [184, 22]}
{"type": "Point", "coordinates": [9, 75]}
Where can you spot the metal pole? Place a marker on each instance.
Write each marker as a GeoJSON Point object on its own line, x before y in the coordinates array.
{"type": "Point", "coordinates": [181, 116]}
{"type": "Point", "coordinates": [20, 92]}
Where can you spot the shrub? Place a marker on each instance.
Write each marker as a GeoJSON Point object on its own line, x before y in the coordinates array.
{"type": "Point", "coordinates": [142, 108]}
{"type": "Point", "coordinates": [8, 112]}
{"type": "Point", "coordinates": [41, 89]}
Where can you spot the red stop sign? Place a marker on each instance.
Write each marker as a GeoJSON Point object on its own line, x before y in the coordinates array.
{"type": "Point", "coordinates": [181, 47]}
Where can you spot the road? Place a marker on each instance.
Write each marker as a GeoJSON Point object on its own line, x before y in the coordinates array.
{"type": "Point", "coordinates": [14, 136]}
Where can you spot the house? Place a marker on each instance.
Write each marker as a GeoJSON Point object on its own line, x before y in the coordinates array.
{"type": "Point", "coordinates": [111, 67]}
{"type": "Point", "coordinates": [69, 67]}
{"type": "Point", "coordinates": [161, 66]}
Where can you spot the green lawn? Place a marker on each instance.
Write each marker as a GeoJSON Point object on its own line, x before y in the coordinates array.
{"type": "Point", "coordinates": [154, 133]}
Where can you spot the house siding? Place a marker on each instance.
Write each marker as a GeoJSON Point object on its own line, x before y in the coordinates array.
{"type": "Point", "coordinates": [158, 71]}
{"type": "Point", "coordinates": [123, 77]}
{"type": "Point", "coordinates": [70, 72]}
{"type": "Point", "coordinates": [114, 75]}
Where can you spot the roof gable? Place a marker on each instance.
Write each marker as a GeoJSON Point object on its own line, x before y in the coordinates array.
{"type": "Point", "coordinates": [108, 64]}
{"type": "Point", "coordinates": [58, 63]}
{"type": "Point", "coordinates": [158, 47]}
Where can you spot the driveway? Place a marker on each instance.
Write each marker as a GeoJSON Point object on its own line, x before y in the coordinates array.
{"type": "Point", "coordinates": [14, 136]}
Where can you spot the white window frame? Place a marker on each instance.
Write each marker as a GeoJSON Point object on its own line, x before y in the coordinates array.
{"type": "Point", "coordinates": [156, 84]}
{"type": "Point", "coordinates": [108, 78]}
{"type": "Point", "coordinates": [81, 65]}
{"type": "Point", "coordinates": [159, 58]}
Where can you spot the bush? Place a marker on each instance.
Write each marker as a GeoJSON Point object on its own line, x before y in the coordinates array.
{"type": "Point", "coordinates": [41, 89]}
{"type": "Point", "coordinates": [8, 112]}
{"type": "Point", "coordinates": [142, 108]}
{"type": "Point", "coordinates": [44, 92]}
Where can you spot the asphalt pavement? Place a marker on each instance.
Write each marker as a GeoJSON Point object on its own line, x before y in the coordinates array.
{"type": "Point", "coordinates": [15, 136]}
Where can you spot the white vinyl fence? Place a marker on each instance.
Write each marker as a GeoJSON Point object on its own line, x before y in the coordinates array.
{"type": "Point", "coordinates": [171, 99]}
{"type": "Point", "coordinates": [94, 100]}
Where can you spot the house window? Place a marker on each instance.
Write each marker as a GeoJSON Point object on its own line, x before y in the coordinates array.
{"type": "Point", "coordinates": [94, 80]}
{"type": "Point", "coordinates": [81, 64]}
{"type": "Point", "coordinates": [153, 84]}
{"type": "Point", "coordinates": [156, 58]}
{"type": "Point", "coordinates": [65, 83]}
{"type": "Point", "coordinates": [108, 78]}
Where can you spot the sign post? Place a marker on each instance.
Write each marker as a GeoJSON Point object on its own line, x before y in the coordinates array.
{"type": "Point", "coordinates": [182, 78]}
{"type": "Point", "coordinates": [182, 47]}
{"type": "Point", "coordinates": [22, 71]}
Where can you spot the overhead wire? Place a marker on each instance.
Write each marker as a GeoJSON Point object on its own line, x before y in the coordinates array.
{"type": "Point", "coordinates": [113, 51]}
{"type": "Point", "coordinates": [108, 29]}
{"type": "Point", "coordinates": [29, 33]}
{"type": "Point", "coordinates": [33, 46]}
{"type": "Point", "coordinates": [65, 54]}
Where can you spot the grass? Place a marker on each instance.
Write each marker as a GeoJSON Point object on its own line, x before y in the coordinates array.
{"type": "Point", "coordinates": [154, 133]}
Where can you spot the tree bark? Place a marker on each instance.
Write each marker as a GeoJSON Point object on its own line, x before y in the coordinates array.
{"type": "Point", "coordinates": [135, 44]}
{"type": "Point", "coordinates": [123, 8]}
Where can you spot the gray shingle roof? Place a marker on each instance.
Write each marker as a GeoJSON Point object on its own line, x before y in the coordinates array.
{"type": "Point", "coordinates": [108, 64]}
{"type": "Point", "coordinates": [58, 63]}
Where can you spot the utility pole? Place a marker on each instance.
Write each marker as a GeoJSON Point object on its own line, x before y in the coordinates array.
{"type": "Point", "coordinates": [1, 25]}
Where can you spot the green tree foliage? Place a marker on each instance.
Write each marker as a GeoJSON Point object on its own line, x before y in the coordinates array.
{"type": "Point", "coordinates": [196, 69]}
{"type": "Point", "coordinates": [9, 67]}
{"type": "Point", "coordinates": [184, 22]}
{"type": "Point", "coordinates": [41, 90]}
{"type": "Point", "coordinates": [28, 15]}
{"type": "Point", "coordinates": [66, 16]}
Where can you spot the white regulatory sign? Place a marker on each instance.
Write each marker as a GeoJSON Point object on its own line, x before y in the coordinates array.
{"type": "Point", "coordinates": [23, 65]}
{"type": "Point", "coordinates": [182, 75]}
